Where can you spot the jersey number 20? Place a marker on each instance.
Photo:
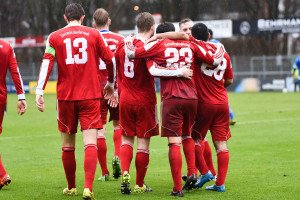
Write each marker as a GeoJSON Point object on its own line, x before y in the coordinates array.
{"type": "Point", "coordinates": [82, 56]}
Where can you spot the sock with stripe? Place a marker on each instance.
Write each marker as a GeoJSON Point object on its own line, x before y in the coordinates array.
{"type": "Point", "coordinates": [141, 164]}
{"type": "Point", "coordinates": [126, 154]}
{"type": "Point", "coordinates": [102, 151]}
{"type": "Point", "coordinates": [69, 163]}
{"type": "Point", "coordinates": [90, 164]}
{"type": "Point", "coordinates": [223, 161]}
{"type": "Point", "coordinates": [176, 165]}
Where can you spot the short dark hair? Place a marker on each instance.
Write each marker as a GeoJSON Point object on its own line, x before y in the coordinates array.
{"type": "Point", "coordinates": [211, 33]}
{"type": "Point", "coordinates": [100, 17]}
{"type": "Point", "coordinates": [144, 22]}
{"type": "Point", "coordinates": [200, 31]}
{"type": "Point", "coordinates": [74, 11]}
{"type": "Point", "coordinates": [165, 27]}
{"type": "Point", "coordinates": [185, 20]}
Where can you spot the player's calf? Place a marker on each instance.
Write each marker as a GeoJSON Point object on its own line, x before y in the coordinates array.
{"type": "Point", "coordinates": [6, 180]}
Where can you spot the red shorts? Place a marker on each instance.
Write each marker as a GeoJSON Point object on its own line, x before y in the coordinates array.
{"type": "Point", "coordinates": [178, 116]}
{"type": "Point", "coordinates": [86, 111]}
{"type": "Point", "coordinates": [2, 111]}
{"type": "Point", "coordinates": [212, 117]}
{"type": "Point", "coordinates": [113, 112]}
{"type": "Point", "coordinates": [138, 120]}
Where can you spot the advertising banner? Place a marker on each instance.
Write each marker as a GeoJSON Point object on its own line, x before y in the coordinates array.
{"type": "Point", "coordinates": [260, 26]}
{"type": "Point", "coordinates": [50, 88]}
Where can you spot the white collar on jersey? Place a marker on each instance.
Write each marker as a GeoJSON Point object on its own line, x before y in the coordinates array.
{"type": "Point", "coordinates": [74, 23]}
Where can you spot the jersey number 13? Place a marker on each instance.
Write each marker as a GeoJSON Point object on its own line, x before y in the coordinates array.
{"type": "Point", "coordinates": [82, 56]}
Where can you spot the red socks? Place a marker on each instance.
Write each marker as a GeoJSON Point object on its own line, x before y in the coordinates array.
{"type": "Point", "coordinates": [141, 164]}
{"type": "Point", "coordinates": [69, 163]}
{"type": "Point", "coordinates": [2, 169]}
{"type": "Point", "coordinates": [223, 161]}
{"type": "Point", "coordinates": [189, 152]}
{"type": "Point", "coordinates": [117, 141]}
{"type": "Point", "coordinates": [90, 163]}
{"type": "Point", "coordinates": [200, 161]}
{"type": "Point", "coordinates": [102, 151]}
{"type": "Point", "coordinates": [126, 154]}
{"type": "Point", "coordinates": [176, 165]}
{"type": "Point", "coordinates": [208, 158]}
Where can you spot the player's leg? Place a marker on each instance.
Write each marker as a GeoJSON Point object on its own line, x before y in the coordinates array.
{"type": "Point", "coordinates": [223, 162]}
{"type": "Point", "coordinates": [126, 154]}
{"type": "Point", "coordinates": [90, 122]}
{"type": "Point", "coordinates": [146, 127]}
{"type": "Point", "coordinates": [189, 109]}
{"type": "Point", "coordinates": [208, 157]}
{"type": "Point", "coordinates": [175, 161]}
{"type": "Point", "coordinates": [117, 145]}
{"type": "Point", "coordinates": [69, 162]}
{"type": "Point", "coordinates": [67, 125]}
{"type": "Point", "coordinates": [202, 124]}
{"type": "Point", "coordinates": [172, 120]}
{"type": "Point", "coordinates": [4, 177]}
{"type": "Point", "coordinates": [90, 161]}
{"type": "Point", "coordinates": [117, 138]}
{"type": "Point", "coordinates": [141, 164]}
{"type": "Point", "coordinates": [127, 124]}
{"type": "Point", "coordinates": [206, 175]}
{"type": "Point", "coordinates": [101, 142]}
{"type": "Point", "coordinates": [220, 134]}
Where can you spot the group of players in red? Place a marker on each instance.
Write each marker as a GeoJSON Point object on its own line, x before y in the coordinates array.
{"type": "Point", "coordinates": [193, 72]}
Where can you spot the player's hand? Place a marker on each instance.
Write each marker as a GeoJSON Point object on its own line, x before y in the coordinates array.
{"type": "Point", "coordinates": [108, 91]}
{"type": "Point", "coordinates": [129, 47]}
{"type": "Point", "coordinates": [152, 39]}
{"type": "Point", "coordinates": [21, 106]}
{"type": "Point", "coordinates": [187, 72]}
{"type": "Point", "coordinates": [39, 102]}
{"type": "Point", "coordinates": [129, 38]}
{"type": "Point", "coordinates": [114, 100]}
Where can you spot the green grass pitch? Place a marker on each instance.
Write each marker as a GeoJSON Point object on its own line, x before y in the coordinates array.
{"type": "Point", "coordinates": [264, 154]}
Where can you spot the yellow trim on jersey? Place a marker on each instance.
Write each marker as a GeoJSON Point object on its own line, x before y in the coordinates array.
{"type": "Point", "coordinates": [50, 50]}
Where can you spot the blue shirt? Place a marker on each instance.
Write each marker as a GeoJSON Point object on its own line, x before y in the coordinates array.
{"type": "Point", "coordinates": [297, 65]}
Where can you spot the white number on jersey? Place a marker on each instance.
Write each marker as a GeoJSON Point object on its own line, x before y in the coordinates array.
{"type": "Point", "coordinates": [102, 65]}
{"type": "Point", "coordinates": [218, 72]}
{"type": "Point", "coordinates": [82, 56]}
{"type": "Point", "coordinates": [128, 68]}
{"type": "Point", "coordinates": [183, 52]}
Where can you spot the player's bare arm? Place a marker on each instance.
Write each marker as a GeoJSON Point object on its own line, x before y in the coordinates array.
{"type": "Point", "coordinates": [169, 35]}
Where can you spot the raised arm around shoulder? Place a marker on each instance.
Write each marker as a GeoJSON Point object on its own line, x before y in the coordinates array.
{"type": "Point", "coordinates": [169, 35]}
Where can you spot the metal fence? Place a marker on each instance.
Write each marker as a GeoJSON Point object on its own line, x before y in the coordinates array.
{"type": "Point", "coordinates": [264, 68]}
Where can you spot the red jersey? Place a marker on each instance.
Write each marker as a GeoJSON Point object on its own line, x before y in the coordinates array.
{"type": "Point", "coordinates": [134, 78]}
{"type": "Point", "coordinates": [112, 40]}
{"type": "Point", "coordinates": [174, 53]}
{"type": "Point", "coordinates": [77, 50]}
{"type": "Point", "coordinates": [210, 82]}
{"type": "Point", "coordinates": [8, 61]}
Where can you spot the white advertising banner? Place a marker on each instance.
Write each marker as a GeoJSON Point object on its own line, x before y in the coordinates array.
{"type": "Point", "coordinates": [220, 28]}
